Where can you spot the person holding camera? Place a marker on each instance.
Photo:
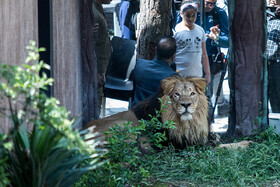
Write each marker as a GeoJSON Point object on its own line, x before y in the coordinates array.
{"type": "Point", "coordinates": [273, 53]}
{"type": "Point", "coordinates": [217, 33]}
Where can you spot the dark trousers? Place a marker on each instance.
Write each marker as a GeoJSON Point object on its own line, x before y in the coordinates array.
{"type": "Point", "coordinates": [213, 87]}
{"type": "Point", "coordinates": [274, 86]}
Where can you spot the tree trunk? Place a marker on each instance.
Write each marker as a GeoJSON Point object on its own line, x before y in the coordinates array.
{"type": "Point", "coordinates": [152, 23]}
{"type": "Point", "coordinates": [247, 70]}
{"type": "Point", "coordinates": [89, 66]}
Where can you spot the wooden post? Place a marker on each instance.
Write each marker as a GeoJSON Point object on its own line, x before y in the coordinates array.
{"type": "Point", "coordinates": [89, 66]}
{"type": "Point", "coordinates": [19, 25]}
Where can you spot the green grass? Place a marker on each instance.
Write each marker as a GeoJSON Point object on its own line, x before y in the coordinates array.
{"type": "Point", "coordinates": [258, 165]}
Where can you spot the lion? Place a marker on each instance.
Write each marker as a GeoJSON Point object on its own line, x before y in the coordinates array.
{"type": "Point", "coordinates": [188, 109]}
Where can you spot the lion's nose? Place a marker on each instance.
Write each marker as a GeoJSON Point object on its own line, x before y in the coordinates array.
{"type": "Point", "coordinates": [186, 105]}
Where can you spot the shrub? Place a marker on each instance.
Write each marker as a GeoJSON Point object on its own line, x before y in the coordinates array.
{"type": "Point", "coordinates": [125, 166]}
{"type": "Point", "coordinates": [4, 177]}
{"type": "Point", "coordinates": [52, 153]}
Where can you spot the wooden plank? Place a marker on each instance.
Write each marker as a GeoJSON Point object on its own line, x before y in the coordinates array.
{"type": "Point", "coordinates": [19, 25]}
{"type": "Point", "coordinates": [67, 55]}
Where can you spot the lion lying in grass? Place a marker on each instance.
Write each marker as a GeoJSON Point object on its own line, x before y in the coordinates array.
{"type": "Point", "coordinates": [188, 109]}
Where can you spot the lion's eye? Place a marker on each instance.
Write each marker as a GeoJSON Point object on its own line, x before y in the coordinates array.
{"type": "Point", "coordinates": [193, 93]}
{"type": "Point", "coordinates": [176, 94]}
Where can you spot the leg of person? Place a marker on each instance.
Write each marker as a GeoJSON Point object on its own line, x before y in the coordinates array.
{"type": "Point", "coordinates": [222, 103]}
{"type": "Point", "coordinates": [209, 94]}
{"type": "Point", "coordinates": [274, 87]}
{"type": "Point", "coordinates": [216, 82]}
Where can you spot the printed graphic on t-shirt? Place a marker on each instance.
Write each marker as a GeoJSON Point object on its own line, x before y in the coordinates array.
{"type": "Point", "coordinates": [210, 18]}
{"type": "Point", "coordinates": [197, 42]}
{"type": "Point", "coordinates": [187, 43]}
{"type": "Point", "coordinates": [192, 45]}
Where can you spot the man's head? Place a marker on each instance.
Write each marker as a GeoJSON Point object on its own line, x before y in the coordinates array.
{"type": "Point", "coordinates": [166, 48]}
{"type": "Point", "coordinates": [209, 5]}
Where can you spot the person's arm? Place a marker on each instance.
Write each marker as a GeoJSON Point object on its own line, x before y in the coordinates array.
{"type": "Point", "coordinates": [205, 63]}
{"type": "Point", "coordinates": [219, 33]}
{"type": "Point", "coordinates": [223, 26]}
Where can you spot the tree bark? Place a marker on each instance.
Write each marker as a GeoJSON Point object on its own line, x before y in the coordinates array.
{"type": "Point", "coordinates": [89, 66]}
{"type": "Point", "coordinates": [152, 23]}
{"type": "Point", "coordinates": [247, 70]}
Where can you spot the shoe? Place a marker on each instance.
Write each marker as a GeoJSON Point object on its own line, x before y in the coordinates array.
{"type": "Point", "coordinates": [223, 109]}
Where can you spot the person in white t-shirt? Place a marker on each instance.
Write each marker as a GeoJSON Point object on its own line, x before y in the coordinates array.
{"type": "Point", "coordinates": [191, 56]}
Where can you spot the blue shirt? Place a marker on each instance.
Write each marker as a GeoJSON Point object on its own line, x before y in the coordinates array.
{"type": "Point", "coordinates": [126, 33]}
{"type": "Point", "coordinates": [147, 76]}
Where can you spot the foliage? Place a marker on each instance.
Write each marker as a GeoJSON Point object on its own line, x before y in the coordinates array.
{"type": "Point", "coordinates": [257, 165]}
{"type": "Point", "coordinates": [124, 167]}
{"type": "Point", "coordinates": [52, 153]}
{"type": "Point", "coordinates": [153, 128]}
{"type": "Point", "coordinates": [125, 163]}
{"type": "Point", "coordinates": [4, 177]}
{"type": "Point", "coordinates": [123, 143]}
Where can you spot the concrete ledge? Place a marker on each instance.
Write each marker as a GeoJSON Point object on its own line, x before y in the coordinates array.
{"type": "Point", "coordinates": [274, 121]}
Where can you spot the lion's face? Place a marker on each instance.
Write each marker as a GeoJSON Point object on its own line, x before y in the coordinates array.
{"type": "Point", "coordinates": [184, 94]}
{"type": "Point", "coordinates": [185, 100]}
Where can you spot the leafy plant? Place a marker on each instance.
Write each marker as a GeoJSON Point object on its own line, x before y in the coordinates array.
{"type": "Point", "coordinates": [4, 177]}
{"type": "Point", "coordinates": [154, 129]}
{"type": "Point", "coordinates": [125, 156]}
{"type": "Point", "coordinates": [52, 153]}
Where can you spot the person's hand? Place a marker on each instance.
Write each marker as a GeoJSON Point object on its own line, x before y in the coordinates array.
{"type": "Point", "coordinates": [214, 33]}
{"type": "Point", "coordinates": [208, 78]}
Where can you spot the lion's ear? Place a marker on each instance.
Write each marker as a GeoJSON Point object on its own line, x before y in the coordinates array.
{"type": "Point", "coordinates": [200, 84]}
{"type": "Point", "coordinates": [168, 84]}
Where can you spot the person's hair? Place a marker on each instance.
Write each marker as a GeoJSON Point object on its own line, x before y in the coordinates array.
{"type": "Point", "coordinates": [166, 47]}
{"type": "Point", "coordinates": [188, 5]}
{"type": "Point", "coordinates": [196, 2]}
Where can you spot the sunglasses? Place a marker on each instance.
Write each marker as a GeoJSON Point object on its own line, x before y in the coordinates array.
{"type": "Point", "coordinates": [210, 3]}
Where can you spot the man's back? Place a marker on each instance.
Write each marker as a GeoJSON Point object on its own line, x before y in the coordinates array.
{"type": "Point", "coordinates": [147, 76]}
